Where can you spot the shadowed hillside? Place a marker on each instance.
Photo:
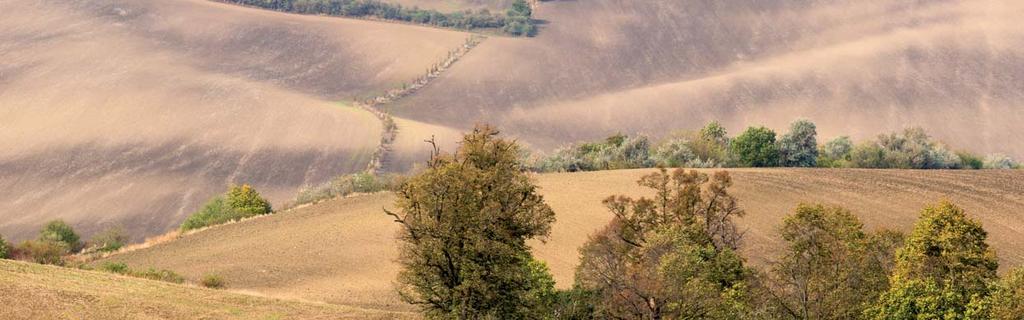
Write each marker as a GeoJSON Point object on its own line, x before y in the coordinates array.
{"type": "Point", "coordinates": [343, 251]}
{"type": "Point", "coordinates": [853, 67]}
{"type": "Point", "coordinates": [136, 112]}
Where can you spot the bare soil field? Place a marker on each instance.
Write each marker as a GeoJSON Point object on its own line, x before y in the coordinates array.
{"type": "Point", "coordinates": [136, 112]}
{"type": "Point", "coordinates": [855, 68]}
{"type": "Point", "coordinates": [32, 291]}
{"type": "Point", "coordinates": [343, 251]}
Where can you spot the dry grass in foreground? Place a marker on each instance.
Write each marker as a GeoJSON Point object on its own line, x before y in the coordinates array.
{"type": "Point", "coordinates": [32, 291]}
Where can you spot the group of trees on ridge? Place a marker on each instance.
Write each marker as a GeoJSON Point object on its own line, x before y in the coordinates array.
{"type": "Point", "coordinates": [467, 217]}
{"type": "Point", "coordinates": [516, 21]}
{"type": "Point", "coordinates": [711, 147]}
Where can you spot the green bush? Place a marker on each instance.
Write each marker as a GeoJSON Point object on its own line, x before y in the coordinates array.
{"type": "Point", "coordinates": [212, 281]}
{"type": "Point", "coordinates": [970, 160]}
{"type": "Point", "coordinates": [151, 273]}
{"type": "Point", "coordinates": [44, 251]}
{"type": "Point", "coordinates": [238, 203]}
{"type": "Point", "coordinates": [5, 249]}
{"type": "Point", "coordinates": [109, 240]}
{"type": "Point", "coordinates": [615, 152]}
{"type": "Point", "coordinates": [60, 231]}
{"type": "Point", "coordinates": [756, 147]}
{"type": "Point", "coordinates": [115, 267]}
{"type": "Point", "coordinates": [910, 149]}
{"type": "Point", "coordinates": [999, 161]}
{"type": "Point", "coordinates": [346, 185]}
{"type": "Point", "coordinates": [835, 153]}
{"type": "Point", "coordinates": [159, 275]}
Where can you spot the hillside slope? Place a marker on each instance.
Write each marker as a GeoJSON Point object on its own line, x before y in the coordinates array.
{"type": "Point", "coordinates": [32, 291]}
{"type": "Point", "coordinates": [343, 251]}
{"type": "Point", "coordinates": [855, 68]}
{"type": "Point", "coordinates": [136, 112]}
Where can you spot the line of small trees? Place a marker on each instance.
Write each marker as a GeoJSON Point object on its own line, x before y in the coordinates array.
{"type": "Point", "coordinates": [516, 21]}
{"type": "Point", "coordinates": [57, 240]}
{"type": "Point", "coordinates": [711, 147]}
{"type": "Point", "coordinates": [467, 218]}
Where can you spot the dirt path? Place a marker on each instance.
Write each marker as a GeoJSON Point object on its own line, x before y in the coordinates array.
{"type": "Point", "coordinates": [379, 160]}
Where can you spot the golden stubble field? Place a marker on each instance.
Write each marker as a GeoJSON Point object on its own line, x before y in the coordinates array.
{"type": "Point", "coordinates": [136, 112]}
{"type": "Point", "coordinates": [343, 251]}
{"type": "Point", "coordinates": [33, 291]}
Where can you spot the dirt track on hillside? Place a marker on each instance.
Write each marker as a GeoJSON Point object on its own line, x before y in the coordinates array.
{"type": "Point", "coordinates": [136, 112]}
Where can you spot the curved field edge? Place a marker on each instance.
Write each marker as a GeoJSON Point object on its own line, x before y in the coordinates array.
{"type": "Point", "coordinates": [33, 291]}
{"type": "Point", "coordinates": [344, 250]}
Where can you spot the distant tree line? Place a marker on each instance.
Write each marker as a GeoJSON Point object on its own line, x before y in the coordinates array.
{"type": "Point", "coordinates": [516, 21]}
{"type": "Point", "coordinates": [711, 147]}
{"type": "Point", "coordinates": [467, 218]}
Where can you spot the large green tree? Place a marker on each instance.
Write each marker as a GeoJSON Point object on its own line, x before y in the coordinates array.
{"type": "Point", "coordinates": [756, 147]}
{"type": "Point", "coordinates": [672, 256]}
{"type": "Point", "coordinates": [466, 220]}
{"type": "Point", "coordinates": [944, 268]}
{"type": "Point", "coordinates": [799, 147]}
{"type": "Point", "coordinates": [831, 268]}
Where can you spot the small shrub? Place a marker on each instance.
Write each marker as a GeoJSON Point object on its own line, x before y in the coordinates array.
{"type": "Point", "coordinates": [346, 185]}
{"type": "Point", "coordinates": [109, 240]}
{"type": "Point", "coordinates": [835, 153]}
{"type": "Point", "coordinates": [246, 201]}
{"type": "Point", "coordinates": [5, 250]}
{"type": "Point", "coordinates": [970, 161]}
{"type": "Point", "coordinates": [212, 281]}
{"type": "Point", "coordinates": [999, 161]}
{"type": "Point", "coordinates": [238, 203]}
{"type": "Point", "coordinates": [60, 231]}
{"type": "Point", "coordinates": [615, 152]}
{"type": "Point", "coordinates": [159, 275]}
{"type": "Point", "coordinates": [43, 251]}
{"type": "Point", "coordinates": [115, 267]}
{"type": "Point", "coordinates": [674, 152]}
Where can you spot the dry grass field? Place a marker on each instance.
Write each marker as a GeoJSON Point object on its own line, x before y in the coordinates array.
{"type": "Point", "coordinates": [136, 112]}
{"type": "Point", "coordinates": [32, 291]}
{"type": "Point", "coordinates": [343, 251]}
{"type": "Point", "coordinates": [855, 68]}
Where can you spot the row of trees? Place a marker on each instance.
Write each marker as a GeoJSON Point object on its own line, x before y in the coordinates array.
{"type": "Point", "coordinates": [761, 147]}
{"type": "Point", "coordinates": [516, 21]}
{"type": "Point", "coordinates": [467, 217]}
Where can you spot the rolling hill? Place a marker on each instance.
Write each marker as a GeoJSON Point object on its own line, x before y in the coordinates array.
{"type": "Point", "coordinates": [136, 112]}
{"type": "Point", "coordinates": [855, 68]}
{"type": "Point", "coordinates": [343, 251]}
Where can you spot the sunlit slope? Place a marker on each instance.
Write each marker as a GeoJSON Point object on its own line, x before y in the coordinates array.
{"type": "Point", "coordinates": [344, 251]}
{"type": "Point", "coordinates": [853, 67]}
{"type": "Point", "coordinates": [136, 112]}
{"type": "Point", "coordinates": [32, 291]}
